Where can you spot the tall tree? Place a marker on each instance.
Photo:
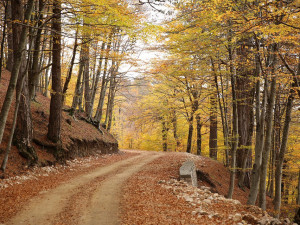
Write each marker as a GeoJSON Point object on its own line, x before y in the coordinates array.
{"type": "Point", "coordinates": [213, 127]}
{"type": "Point", "coordinates": [54, 127]}
{"type": "Point", "coordinates": [20, 36]}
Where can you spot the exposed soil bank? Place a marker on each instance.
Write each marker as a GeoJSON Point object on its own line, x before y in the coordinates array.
{"type": "Point", "coordinates": [78, 138]}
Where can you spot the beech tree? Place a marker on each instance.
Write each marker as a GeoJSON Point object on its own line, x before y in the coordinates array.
{"type": "Point", "coordinates": [54, 127]}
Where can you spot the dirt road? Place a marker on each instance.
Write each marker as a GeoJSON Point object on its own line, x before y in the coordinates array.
{"type": "Point", "coordinates": [89, 199]}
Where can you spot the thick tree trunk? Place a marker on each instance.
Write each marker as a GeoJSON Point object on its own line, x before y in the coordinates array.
{"type": "Point", "coordinates": [213, 128]}
{"type": "Point", "coordinates": [8, 147]}
{"type": "Point", "coordinates": [54, 127]}
{"type": "Point", "coordinates": [245, 92]}
{"type": "Point", "coordinates": [18, 54]}
{"type": "Point", "coordinates": [24, 131]}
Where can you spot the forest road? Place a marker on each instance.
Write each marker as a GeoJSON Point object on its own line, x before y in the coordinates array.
{"type": "Point", "coordinates": [100, 204]}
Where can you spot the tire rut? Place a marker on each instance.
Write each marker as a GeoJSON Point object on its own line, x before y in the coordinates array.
{"type": "Point", "coordinates": [44, 208]}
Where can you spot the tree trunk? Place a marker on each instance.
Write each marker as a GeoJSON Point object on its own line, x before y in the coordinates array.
{"type": "Point", "coordinates": [222, 112]}
{"type": "Point", "coordinates": [260, 124]}
{"type": "Point", "coordinates": [18, 54]}
{"type": "Point", "coordinates": [35, 70]}
{"type": "Point", "coordinates": [47, 80]}
{"type": "Point", "coordinates": [245, 92]}
{"type": "Point", "coordinates": [86, 75]}
{"type": "Point", "coordinates": [24, 131]}
{"type": "Point", "coordinates": [175, 135]}
{"type": "Point", "coordinates": [110, 104]}
{"type": "Point", "coordinates": [77, 92]}
{"type": "Point", "coordinates": [213, 128]}
{"type": "Point", "coordinates": [8, 148]}
{"type": "Point", "coordinates": [9, 63]}
{"type": "Point", "coordinates": [190, 134]}
{"type": "Point", "coordinates": [199, 136]}
{"type": "Point", "coordinates": [54, 126]}
{"type": "Point", "coordinates": [69, 75]}
{"type": "Point", "coordinates": [279, 162]}
{"type": "Point", "coordinates": [234, 124]}
{"type": "Point", "coordinates": [97, 78]}
{"type": "Point", "coordinates": [99, 112]}
{"type": "Point", "coordinates": [269, 127]}
{"type": "Point", "coordinates": [298, 196]}
{"type": "Point", "coordinates": [3, 35]}
{"type": "Point", "coordinates": [164, 136]}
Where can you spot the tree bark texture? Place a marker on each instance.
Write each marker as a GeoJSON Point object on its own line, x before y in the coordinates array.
{"type": "Point", "coordinates": [9, 63]}
{"type": "Point", "coordinates": [245, 93]}
{"type": "Point", "coordinates": [269, 127]}
{"type": "Point", "coordinates": [54, 127]}
{"type": "Point", "coordinates": [104, 83]}
{"type": "Point", "coordinates": [97, 78]}
{"type": "Point", "coordinates": [235, 133]}
{"type": "Point", "coordinates": [199, 136]}
{"type": "Point", "coordinates": [213, 128]}
{"type": "Point", "coordinates": [86, 75]}
{"type": "Point", "coordinates": [18, 54]}
{"type": "Point", "coordinates": [34, 74]}
{"type": "Point", "coordinates": [78, 86]}
{"type": "Point", "coordinates": [281, 154]}
{"type": "Point", "coordinates": [175, 135]}
{"type": "Point", "coordinates": [164, 136]}
{"type": "Point", "coordinates": [69, 75]}
{"type": "Point", "coordinates": [190, 135]}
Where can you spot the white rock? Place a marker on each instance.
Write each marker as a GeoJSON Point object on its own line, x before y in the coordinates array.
{"type": "Point", "coordinates": [207, 201]}
{"type": "Point", "coordinates": [210, 198]}
{"type": "Point", "coordinates": [237, 217]}
{"type": "Point", "coordinates": [236, 202]}
{"type": "Point", "coordinates": [203, 213]}
{"type": "Point", "coordinates": [188, 199]}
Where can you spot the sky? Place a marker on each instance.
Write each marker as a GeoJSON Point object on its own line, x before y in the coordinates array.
{"type": "Point", "coordinates": [147, 52]}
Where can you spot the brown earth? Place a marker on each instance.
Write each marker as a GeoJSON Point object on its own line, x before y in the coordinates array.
{"type": "Point", "coordinates": [75, 142]}
{"type": "Point", "coordinates": [123, 188]}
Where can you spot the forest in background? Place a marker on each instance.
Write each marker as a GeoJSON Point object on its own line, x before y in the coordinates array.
{"type": "Point", "coordinates": [225, 83]}
{"type": "Point", "coordinates": [227, 87]}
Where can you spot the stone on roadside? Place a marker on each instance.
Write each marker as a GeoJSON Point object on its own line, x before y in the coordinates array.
{"type": "Point", "coordinates": [237, 217]}
{"type": "Point", "coordinates": [207, 201]}
{"type": "Point", "coordinates": [250, 219]}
